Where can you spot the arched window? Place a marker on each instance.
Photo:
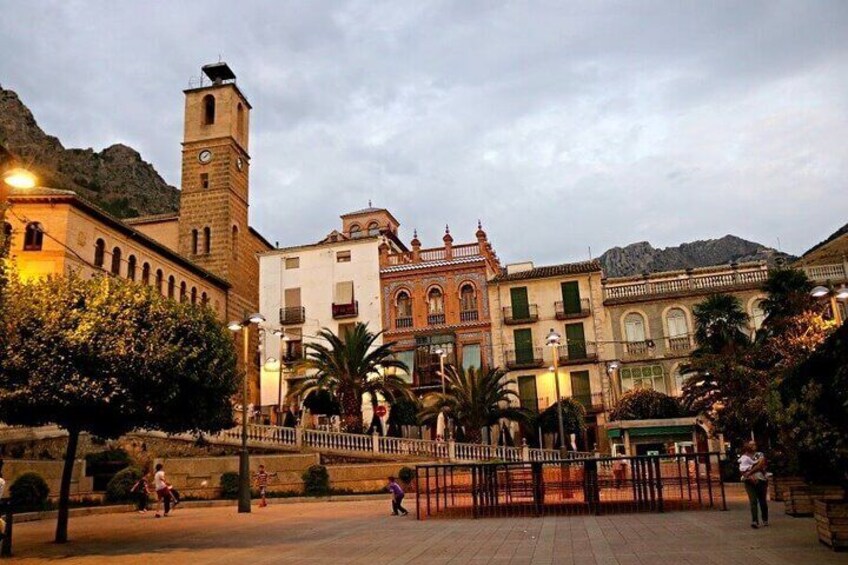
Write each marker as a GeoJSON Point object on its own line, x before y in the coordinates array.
{"type": "Point", "coordinates": [116, 261]}
{"type": "Point", "coordinates": [758, 315]}
{"type": "Point", "coordinates": [207, 240]}
{"type": "Point", "coordinates": [204, 299]}
{"type": "Point", "coordinates": [435, 301]}
{"type": "Point", "coordinates": [33, 237]}
{"type": "Point", "coordinates": [240, 119]}
{"type": "Point", "coordinates": [172, 285]}
{"type": "Point", "coordinates": [99, 253]}
{"type": "Point", "coordinates": [145, 274]}
{"type": "Point", "coordinates": [404, 305]}
{"type": "Point", "coordinates": [234, 242]}
{"type": "Point", "coordinates": [634, 328]}
{"type": "Point", "coordinates": [355, 231]}
{"type": "Point", "coordinates": [208, 110]}
{"type": "Point", "coordinates": [467, 298]}
{"type": "Point", "coordinates": [373, 228]}
{"type": "Point", "coordinates": [160, 277]}
{"type": "Point", "coordinates": [182, 291]}
{"type": "Point", "coordinates": [193, 295]}
{"type": "Point", "coordinates": [194, 242]}
{"type": "Point", "coordinates": [677, 326]}
{"type": "Point", "coordinates": [131, 263]}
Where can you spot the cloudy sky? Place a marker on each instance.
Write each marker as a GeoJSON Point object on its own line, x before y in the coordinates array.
{"type": "Point", "coordinates": [562, 125]}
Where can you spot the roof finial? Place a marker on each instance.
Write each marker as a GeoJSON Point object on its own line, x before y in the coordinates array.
{"type": "Point", "coordinates": [479, 224]}
{"type": "Point", "coordinates": [447, 228]}
{"type": "Point", "coordinates": [369, 203]}
{"type": "Point", "coordinates": [415, 233]}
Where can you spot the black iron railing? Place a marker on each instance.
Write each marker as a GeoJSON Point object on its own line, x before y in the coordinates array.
{"type": "Point", "coordinates": [346, 310]}
{"type": "Point", "coordinates": [601, 485]}
{"type": "Point", "coordinates": [525, 358]}
{"type": "Point", "coordinates": [404, 322]}
{"type": "Point", "coordinates": [521, 315]}
{"type": "Point", "coordinates": [468, 316]}
{"type": "Point", "coordinates": [581, 311]}
{"type": "Point", "coordinates": [292, 315]}
{"type": "Point", "coordinates": [575, 352]}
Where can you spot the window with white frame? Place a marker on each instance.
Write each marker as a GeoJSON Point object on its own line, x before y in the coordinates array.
{"type": "Point", "coordinates": [649, 377]}
{"type": "Point", "coordinates": [677, 326]}
{"type": "Point", "coordinates": [634, 327]}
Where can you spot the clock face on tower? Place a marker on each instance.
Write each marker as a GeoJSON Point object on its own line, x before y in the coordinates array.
{"type": "Point", "coordinates": [204, 156]}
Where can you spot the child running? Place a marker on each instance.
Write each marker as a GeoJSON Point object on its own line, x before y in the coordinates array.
{"type": "Point", "coordinates": [163, 491]}
{"type": "Point", "coordinates": [397, 498]}
{"type": "Point", "coordinates": [141, 489]}
{"type": "Point", "coordinates": [261, 478]}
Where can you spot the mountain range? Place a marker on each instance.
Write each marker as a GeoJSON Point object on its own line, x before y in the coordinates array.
{"type": "Point", "coordinates": [118, 180]}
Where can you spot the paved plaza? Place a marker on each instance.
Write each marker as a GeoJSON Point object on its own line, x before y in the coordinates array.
{"type": "Point", "coordinates": [364, 532]}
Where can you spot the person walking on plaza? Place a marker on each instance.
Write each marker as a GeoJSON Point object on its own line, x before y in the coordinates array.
{"type": "Point", "coordinates": [752, 466]}
{"type": "Point", "coordinates": [141, 489]}
{"type": "Point", "coordinates": [163, 490]}
{"type": "Point", "coordinates": [261, 479]}
{"type": "Point", "coordinates": [397, 498]}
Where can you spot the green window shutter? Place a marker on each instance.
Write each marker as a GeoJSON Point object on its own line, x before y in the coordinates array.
{"type": "Point", "coordinates": [581, 390]}
{"type": "Point", "coordinates": [520, 304]}
{"type": "Point", "coordinates": [576, 340]}
{"type": "Point", "coordinates": [527, 393]}
{"type": "Point", "coordinates": [523, 345]}
{"type": "Point", "coordinates": [571, 297]}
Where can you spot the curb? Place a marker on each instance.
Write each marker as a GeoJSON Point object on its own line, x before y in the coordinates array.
{"type": "Point", "coordinates": [122, 508]}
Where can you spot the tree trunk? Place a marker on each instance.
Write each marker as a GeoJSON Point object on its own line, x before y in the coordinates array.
{"type": "Point", "coordinates": [351, 412]}
{"type": "Point", "coordinates": [65, 487]}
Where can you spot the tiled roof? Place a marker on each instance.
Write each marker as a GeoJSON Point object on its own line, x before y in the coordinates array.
{"type": "Point", "coordinates": [153, 218]}
{"type": "Point", "coordinates": [550, 271]}
{"type": "Point", "coordinates": [368, 210]}
{"type": "Point", "coordinates": [429, 264]}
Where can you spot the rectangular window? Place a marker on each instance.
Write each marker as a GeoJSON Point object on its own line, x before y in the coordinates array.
{"type": "Point", "coordinates": [575, 340]}
{"type": "Point", "coordinates": [291, 298]}
{"type": "Point", "coordinates": [643, 376]}
{"type": "Point", "coordinates": [407, 357]}
{"type": "Point", "coordinates": [523, 345]}
{"type": "Point", "coordinates": [520, 304]}
{"type": "Point", "coordinates": [571, 297]}
{"type": "Point", "coordinates": [344, 292]}
{"type": "Point", "coordinates": [343, 257]}
{"type": "Point", "coordinates": [581, 390]}
{"type": "Point", "coordinates": [527, 395]}
{"type": "Point", "coordinates": [292, 263]}
{"type": "Point", "coordinates": [204, 180]}
{"type": "Point", "coordinates": [471, 357]}
{"type": "Point", "coordinates": [344, 330]}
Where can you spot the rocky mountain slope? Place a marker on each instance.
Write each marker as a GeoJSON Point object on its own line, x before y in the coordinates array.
{"type": "Point", "coordinates": [642, 257]}
{"type": "Point", "coordinates": [117, 178]}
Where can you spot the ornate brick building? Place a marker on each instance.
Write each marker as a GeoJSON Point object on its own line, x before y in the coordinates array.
{"type": "Point", "coordinates": [437, 299]}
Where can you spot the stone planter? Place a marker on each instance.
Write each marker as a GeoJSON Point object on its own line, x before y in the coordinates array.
{"type": "Point", "coordinates": [799, 501]}
{"type": "Point", "coordinates": [779, 486]}
{"type": "Point", "coordinates": [832, 523]}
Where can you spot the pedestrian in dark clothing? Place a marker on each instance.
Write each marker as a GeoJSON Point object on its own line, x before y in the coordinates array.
{"type": "Point", "coordinates": [397, 498]}
{"type": "Point", "coordinates": [141, 489]}
{"type": "Point", "coordinates": [752, 466]}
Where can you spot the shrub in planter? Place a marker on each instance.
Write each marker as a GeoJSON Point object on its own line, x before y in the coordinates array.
{"type": "Point", "coordinates": [230, 485]}
{"type": "Point", "coordinates": [118, 488]}
{"type": "Point", "coordinates": [406, 475]}
{"type": "Point", "coordinates": [29, 492]}
{"type": "Point", "coordinates": [316, 481]}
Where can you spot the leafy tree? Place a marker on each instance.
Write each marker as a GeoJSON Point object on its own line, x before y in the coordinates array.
{"type": "Point", "coordinates": [106, 356]}
{"type": "Point", "coordinates": [474, 400]}
{"type": "Point", "coordinates": [404, 412]}
{"type": "Point", "coordinates": [719, 322]}
{"type": "Point", "coordinates": [573, 419]}
{"type": "Point", "coordinates": [645, 404]}
{"type": "Point", "coordinates": [788, 296]}
{"type": "Point", "coordinates": [349, 368]}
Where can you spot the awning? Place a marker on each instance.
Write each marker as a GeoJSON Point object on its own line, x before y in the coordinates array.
{"type": "Point", "coordinates": [652, 431]}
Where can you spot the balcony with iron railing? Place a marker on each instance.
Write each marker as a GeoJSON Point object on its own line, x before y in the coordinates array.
{"type": "Point", "coordinates": [577, 352]}
{"type": "Point", "coordinates": [294, 353]}
{"type": "Point", "coordinates": [348, 310]}
{"type": "Point", "coordinates": [469, 316]}
{"type": "Point", "coordinates": [292, 315]}
{"type": "Point", "coordinates": [679, 345]}
{"type": "Point", "coordinates": [403, 322]}
{"type": "Point", "coordinates": [592, 402]}
{"type": "Point", "coordinates": [563, 313]}
{"type": "Point", "coordinates": [639, 349]}
{"type": "Point", "coordinates": [528, 358]}
{"type": "Point", "coordinates": [513, 316]}
{"type": "Point", "coordinates": [436, 319]}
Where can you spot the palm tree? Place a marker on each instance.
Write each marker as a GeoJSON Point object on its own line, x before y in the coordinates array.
{"type": "Point", "coordinates": [719, 320]}
{"type": "Point", "coordinates": [788, 295]}
{"type": "Point", "coordinates": [474, 400]}
{"type": "Point", "coordinates": [350, 368]}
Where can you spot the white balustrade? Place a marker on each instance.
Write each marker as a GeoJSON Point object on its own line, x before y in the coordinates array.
{"type": "Point", "coordinates": [824, 273]}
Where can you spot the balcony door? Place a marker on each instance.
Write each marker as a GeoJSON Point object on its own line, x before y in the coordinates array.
{"type": "Point", "coordinates": [527, 394]}
{"type": "Point", "coordinates": [520, 304]}
{"type": "Point", "coordinates": [571, 297]}
{"type": "Point", "coordinates": [581, 390]}
{"type": "Point", "coordinates": [576, 340]}
{"type": "Point", "coordinates": [523, 344]}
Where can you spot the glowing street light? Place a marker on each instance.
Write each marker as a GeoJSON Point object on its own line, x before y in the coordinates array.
{"type": "Point", "coordinates": [553, 341]}
{"type": "Point", "coordinates": [834, 295]}
{"type": "Point", "coordinates": [19, 177]}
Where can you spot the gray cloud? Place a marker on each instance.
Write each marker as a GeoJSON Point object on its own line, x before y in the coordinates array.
{"type": "Point", "coordinates": [562, 126]}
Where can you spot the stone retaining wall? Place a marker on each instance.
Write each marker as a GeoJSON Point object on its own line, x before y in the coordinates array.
{"type": "Point", "coordinates": [51, 472]}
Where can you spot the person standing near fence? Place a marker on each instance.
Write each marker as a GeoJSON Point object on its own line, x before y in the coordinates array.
{"type": "Point", "coordinates": [397, 498]}
{"type": "Point", "coordinates": [752, 466]}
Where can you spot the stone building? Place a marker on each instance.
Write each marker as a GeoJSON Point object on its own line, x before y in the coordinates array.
{"type": "Point", "coordinates": [207, 249]}
{"type": "Point", "coordinates": [436, 299]}
{"type": "Point", "coordinates": [528, 302]}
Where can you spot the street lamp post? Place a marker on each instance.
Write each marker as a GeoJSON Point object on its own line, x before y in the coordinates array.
{"type": "Point", "coordinates": [244, 460]}
{"type": "Point", "coordinates": [15, 177]}
{"type": "Point", "coordinates": [553, 341]}
{"type": "Point", "coordinates": [283, 340]}
{"type": "Point", "coordinates": [834, 295]}
{"type": "Point", "coordinates": [442, 354]}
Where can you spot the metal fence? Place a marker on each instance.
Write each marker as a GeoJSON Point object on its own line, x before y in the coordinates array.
{"type": "Point", "coordinates": [598, 485]}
